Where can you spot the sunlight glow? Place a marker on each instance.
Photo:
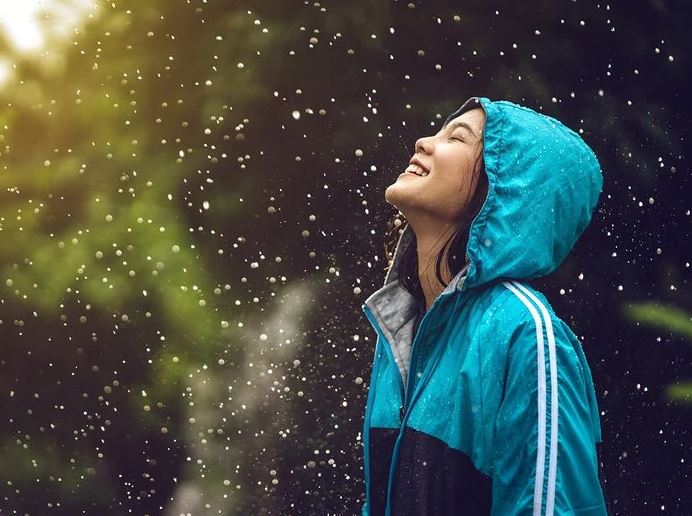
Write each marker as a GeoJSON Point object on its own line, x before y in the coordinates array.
{"type": "Point", "coordinates": [29, 27]}
{"type": "Point", "coordinates": [19, 23]}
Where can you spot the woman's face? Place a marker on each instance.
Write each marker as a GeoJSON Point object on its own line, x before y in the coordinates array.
{"type": "Point", "coordinates": [449, 157]}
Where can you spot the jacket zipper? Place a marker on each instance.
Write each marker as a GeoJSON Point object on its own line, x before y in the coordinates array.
{"type": "Point", "coordinates": [403, 410]}
{"type": "Point", "coordinates": [387, 347]}
{"type": "Point", "coordinates": [366, 429]}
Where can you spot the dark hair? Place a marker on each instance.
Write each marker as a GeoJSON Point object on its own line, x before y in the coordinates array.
{"type": "Point", "coordinates": [408, 267]}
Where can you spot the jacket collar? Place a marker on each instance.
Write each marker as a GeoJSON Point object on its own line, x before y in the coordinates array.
{"type": "Point", "coordinates": [394, 309]}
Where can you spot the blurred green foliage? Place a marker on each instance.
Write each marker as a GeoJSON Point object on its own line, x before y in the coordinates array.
{"type": "Point", "coordinates": [671, 319]}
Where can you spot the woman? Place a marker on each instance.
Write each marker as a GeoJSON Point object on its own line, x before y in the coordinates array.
{"type": "Point", "coordinates": [481, 400]}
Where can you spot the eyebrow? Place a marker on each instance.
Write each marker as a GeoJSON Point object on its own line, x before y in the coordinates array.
{"type": "Point", "coordinates": [466, 126]}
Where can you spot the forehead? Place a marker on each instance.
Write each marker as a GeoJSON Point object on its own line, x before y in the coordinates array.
{"type": "Point", "coordinates": [474, 117]}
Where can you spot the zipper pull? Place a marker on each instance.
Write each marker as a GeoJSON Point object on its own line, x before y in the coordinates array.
{"type": "Point", "coordinates": [401, 413]}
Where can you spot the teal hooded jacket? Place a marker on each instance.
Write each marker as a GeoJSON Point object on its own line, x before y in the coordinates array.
{"type": "Point", "coordinates": [487, 406]}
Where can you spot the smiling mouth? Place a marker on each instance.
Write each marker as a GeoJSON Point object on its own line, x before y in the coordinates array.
{"type": "Point", "coordinates": [415, 169]}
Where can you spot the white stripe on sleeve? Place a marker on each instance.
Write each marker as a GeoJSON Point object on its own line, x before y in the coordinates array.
{"type": "Point", "coordinates": [542, 423]}
{"type": "Point", "coordinates": [552, 462]}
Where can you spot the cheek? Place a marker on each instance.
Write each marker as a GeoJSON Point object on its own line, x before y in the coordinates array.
{"type": "Point", "coordinates": [446, 192]}
{"type": "Point", "coordinates": [453, 159]}
{"type": "Point", "coordinates": [453, 171]}
{"type": "Point", "coordinates": [451, 184]}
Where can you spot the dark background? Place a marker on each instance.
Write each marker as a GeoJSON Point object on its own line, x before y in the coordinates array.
{"type": "Point", "coordinates": [183, 263]}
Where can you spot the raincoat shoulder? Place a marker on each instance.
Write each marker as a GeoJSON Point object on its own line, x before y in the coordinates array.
{"type": "Point", "coordinates": [539, 407]}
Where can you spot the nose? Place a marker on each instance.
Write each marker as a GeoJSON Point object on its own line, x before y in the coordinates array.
{"type": "Point", "coordinates": [422, 145]}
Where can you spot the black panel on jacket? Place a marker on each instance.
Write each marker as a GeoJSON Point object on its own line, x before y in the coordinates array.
{"type": "Point", "coordinates": [381, 446]}
{"type": "Point", "coordinates": [431, 479]}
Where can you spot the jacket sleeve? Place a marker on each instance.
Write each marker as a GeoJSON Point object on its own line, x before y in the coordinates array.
{"type": "Point", "coordinates": [544, 458]}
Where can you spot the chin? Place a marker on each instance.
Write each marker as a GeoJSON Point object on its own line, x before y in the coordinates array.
{"type": "Point", "coordinates": [392, 194]}
{"type": "Point", "coordinates": [397, 196]}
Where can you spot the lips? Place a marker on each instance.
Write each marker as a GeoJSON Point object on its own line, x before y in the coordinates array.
{"type": "Point", "coordinates": [416, 167]}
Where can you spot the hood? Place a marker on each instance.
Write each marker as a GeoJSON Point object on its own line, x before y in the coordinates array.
{"type": "Point", "coordinates": [543, 185]}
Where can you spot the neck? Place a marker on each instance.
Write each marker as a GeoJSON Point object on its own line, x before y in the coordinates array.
{"type": "Point", "coordinates": [428, 247]}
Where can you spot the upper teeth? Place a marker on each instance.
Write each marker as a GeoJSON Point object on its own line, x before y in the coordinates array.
{"type": "Point", "coordinates": [417, 170]}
